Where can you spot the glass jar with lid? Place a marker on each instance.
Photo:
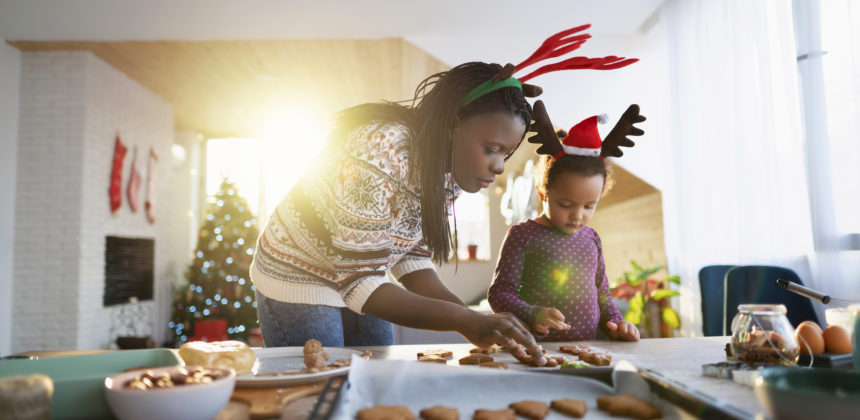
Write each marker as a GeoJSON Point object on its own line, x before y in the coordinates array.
{"type": "Point", "coordinates": [762, 334]}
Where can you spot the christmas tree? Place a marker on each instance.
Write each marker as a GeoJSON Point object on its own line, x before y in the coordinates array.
{"type": "Point", "coordinates": [218, 286]}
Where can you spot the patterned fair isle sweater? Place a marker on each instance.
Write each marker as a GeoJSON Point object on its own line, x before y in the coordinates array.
{"type": "Point", "coordinates": [540, 266]}
{"type": "Point", "coordinates": [353, 217]}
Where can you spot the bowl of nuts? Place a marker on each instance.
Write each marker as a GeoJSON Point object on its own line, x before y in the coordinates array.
{"type": "Point", "coordinates": [171, 392]}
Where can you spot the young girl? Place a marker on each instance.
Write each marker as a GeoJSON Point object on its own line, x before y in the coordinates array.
{"type": "Point", "coordinates": [376, 202]}
{"type": "Point", "coordinates": [551, 268]}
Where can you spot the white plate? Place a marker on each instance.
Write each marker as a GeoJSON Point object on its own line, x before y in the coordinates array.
{"type": "Point", "coordinates": [289, 359]}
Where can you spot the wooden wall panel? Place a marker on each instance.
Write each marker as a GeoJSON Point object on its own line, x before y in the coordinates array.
{"type": "Point", "coordinates": [229, 88]}
{"type": "Point", "coordinates": [632, 230]}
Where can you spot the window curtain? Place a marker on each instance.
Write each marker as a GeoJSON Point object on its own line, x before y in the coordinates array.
{"type": "Point", "coordinates": [737, 188]}
{"type": "Point", "coordinates": [828, 47]}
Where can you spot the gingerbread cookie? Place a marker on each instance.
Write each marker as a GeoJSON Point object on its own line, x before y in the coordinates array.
{"type": "Point", "coordinates": [494, 365]}
{"type": "Point", "coordinates": [575, 350]}
{"type": "Point", "coordinates": [483, 414]}
{"type": "Point", "coordinates": [439, 412]}
{"type": "Point", "coordinates": [437, 352]}
{"type": "Point", "coordinates": [385, 412]}
{"type": "Point", "coordinates": [628, 405]}
{"type": "Point", "coordinates": [475, 359]}
{"type": "Point", "coordinates": [571, 407]}
{"type": "Point", "coordinates": [599, 359]}
{"type": "Point", "coordinates": [433, 359]}
{"type": "Point", "coordinates": [529, 360]}
{"type": "Point", "coordinates": [535, 410]}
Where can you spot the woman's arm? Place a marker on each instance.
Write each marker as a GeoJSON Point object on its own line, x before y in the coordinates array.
{"type": "Point", "coordinates": [428, 284]}
{"type": "Point", "coordinates": [403, 307]}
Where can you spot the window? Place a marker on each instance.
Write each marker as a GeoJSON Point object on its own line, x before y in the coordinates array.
{"type": "Point", "coordinates": [828, 46]}
{"type": "Point", "coordinates": [473, 225]}
{"type": "Point", "coordinates": [238, 159]}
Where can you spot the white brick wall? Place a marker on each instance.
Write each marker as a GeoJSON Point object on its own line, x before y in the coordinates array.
{"type": "Point", "coordinates": [72, 107]}
{"type": "Point", "coordinates": [10, 83]}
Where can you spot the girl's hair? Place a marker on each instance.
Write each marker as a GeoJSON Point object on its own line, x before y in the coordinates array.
{"type": "Point", "coordinates": [431, 118]}
{"type": "Point", "coordinates": [548, 170]}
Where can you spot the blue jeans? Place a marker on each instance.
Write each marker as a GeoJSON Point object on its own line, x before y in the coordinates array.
{"type": "Point", "coordinates": [291, 324]}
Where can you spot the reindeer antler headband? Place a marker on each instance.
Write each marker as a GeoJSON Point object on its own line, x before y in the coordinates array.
{"type": "Point", "coordinates": [554, 46]}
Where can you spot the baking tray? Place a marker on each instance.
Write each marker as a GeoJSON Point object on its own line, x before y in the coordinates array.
{"type": "Point", "coordinates": [79, 380]}
{"type": "Point", "coordinates": [693, 402]}
{"type": "Point", "coordinates": [827, 360]}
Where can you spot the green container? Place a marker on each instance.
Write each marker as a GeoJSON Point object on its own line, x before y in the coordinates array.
{"type": "Point", "coordinates": [79, 380]}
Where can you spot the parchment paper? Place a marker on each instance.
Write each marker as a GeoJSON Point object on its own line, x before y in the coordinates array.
{"type": "Point", "coordinates": [423, 385]}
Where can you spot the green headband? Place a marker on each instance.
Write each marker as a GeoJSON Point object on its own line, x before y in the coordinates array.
{"type": "Point", "coordinates": [487, 87]}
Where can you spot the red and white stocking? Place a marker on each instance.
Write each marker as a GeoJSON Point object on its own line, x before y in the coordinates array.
{"type": "Point", "coordinates": [115, 190]}
{"type": "Point", "coordinates": [134, 184]}
{"type": "Point", "coordinates": [150, 187]}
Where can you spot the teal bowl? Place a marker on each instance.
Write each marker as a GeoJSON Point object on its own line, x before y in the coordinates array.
{"type": "Point", "coordinates": [804, 393]}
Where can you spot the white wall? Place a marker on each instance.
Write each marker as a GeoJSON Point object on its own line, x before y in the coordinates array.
{"type": "Point", "coordinates": [10, 76]}
{"type": "Point", "coordinates": [72, 107]}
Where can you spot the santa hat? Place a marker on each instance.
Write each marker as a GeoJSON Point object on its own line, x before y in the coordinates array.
{"type": "Point", "coordinates": [583, 139]}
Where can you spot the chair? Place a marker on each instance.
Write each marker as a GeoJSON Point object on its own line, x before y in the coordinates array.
{"type": "Point", "coordinates": [757, 284]}
{"type": "Point", "coordinates": [711, 281]}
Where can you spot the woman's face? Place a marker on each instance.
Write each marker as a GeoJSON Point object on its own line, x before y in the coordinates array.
{"type": "Point", "coordinates": [481, 143]}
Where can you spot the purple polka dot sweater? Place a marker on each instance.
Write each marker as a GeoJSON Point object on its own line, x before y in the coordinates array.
{"type": "Point", "coordinates": [540, 266]}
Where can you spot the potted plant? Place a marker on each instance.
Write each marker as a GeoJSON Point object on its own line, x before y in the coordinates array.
{"type": "Point", "coordinates": [648, 300]}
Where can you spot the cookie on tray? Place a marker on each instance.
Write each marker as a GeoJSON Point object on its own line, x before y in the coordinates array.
{"type": "Point", "coordinates": [437, 352]}
{"type": "Point", "coordinates": [484, 414]}
{"type": "Point", "coordinates": [598, 359]}
{"type": "Point", "coordinates": [535, 410]}
{"type": "Point", "coordinates": [438, 412]}
{"type": "Point", "coordinates": [475, 359]}
{"type": "Point", "coordinates": [433, 359]}
{"type": "Point", "coordinates": [628, 405]}
{"type": "Point", "coordinates": [385, 412]}
{"type": "Point", "coordinates": [570, 407]}
{"type": "Point", "coordinates": [575, 350]}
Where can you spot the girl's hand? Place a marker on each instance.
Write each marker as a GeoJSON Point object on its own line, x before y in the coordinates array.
{"type": "Point", "coordinates": [623, 330]}
{"type": "Point", "coordinates": [504, 329]}
{"type": "Point", "coordinates": [550, 318]}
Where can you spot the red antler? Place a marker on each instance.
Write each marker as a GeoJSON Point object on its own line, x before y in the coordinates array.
{"type": "Point", "coordinates": [576, 63]}
{"type": "Point", "coordinates": [555, 45]}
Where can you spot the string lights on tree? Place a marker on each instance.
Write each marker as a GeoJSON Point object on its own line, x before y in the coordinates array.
{"type": "Point", "coordinates": [218, 287]}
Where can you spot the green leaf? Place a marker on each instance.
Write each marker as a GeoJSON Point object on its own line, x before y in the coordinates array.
{"type": "Point", "coordinates": [663, 293]}
{"type": "Point", "coordinates": [632, 279]}
{"type": "Point", "coordinates": [671, 318]}
{"type": "Point", "coordinates": [635, 265]}
{"type": "Point", "coordinates": [673, 279]}
{"type": "Point", "coordinates": [649, 271]}
{"type": "Point", "coordinates": [633, 317]}
{"type": "Point", "coordinates": [637, 302]}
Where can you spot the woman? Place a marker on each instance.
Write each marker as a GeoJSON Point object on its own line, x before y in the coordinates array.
{"type": "Point", "coordinates": [377, 202]}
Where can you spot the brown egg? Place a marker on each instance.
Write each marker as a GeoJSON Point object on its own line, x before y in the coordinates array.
{"type": "Point", "coordinates": [837, 339]}
{"type": "Point", "coordinates": [809, 334]}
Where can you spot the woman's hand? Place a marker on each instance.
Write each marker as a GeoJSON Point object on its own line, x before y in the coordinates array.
{"type": "Point", "coordinates": [504, 329]}
{"type": "Point", "coordinates": [550, 318]}
{"type": "Point", "coordinates": [623, 330]}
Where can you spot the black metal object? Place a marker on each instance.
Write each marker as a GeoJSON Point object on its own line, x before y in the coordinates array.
{"type": "Point", "coordinates": [700, 405]}
{"type": "Point", "coordinates": [329, 397]}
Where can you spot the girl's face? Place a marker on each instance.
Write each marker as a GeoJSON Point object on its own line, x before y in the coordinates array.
{"type": "Point", "coordinates": [481, 143]}
{"type": "Point", "coordinates": [570, 201]}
